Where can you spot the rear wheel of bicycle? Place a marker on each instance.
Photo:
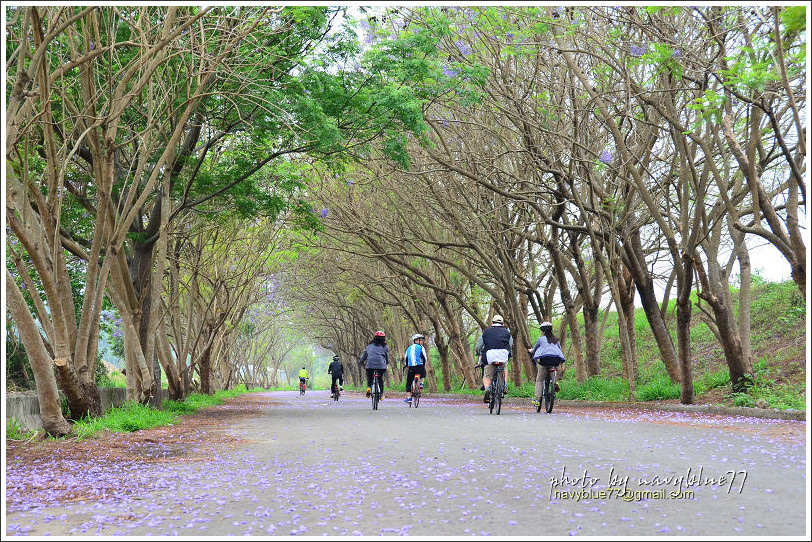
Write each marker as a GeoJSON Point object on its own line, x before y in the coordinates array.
{"type": "Point", "coordinates": [376, 394]}
{"type": "Point", "coordinates": [549, 395]}
{"type": "Point", "coordinates": [500, 389]}
{"type": "Point", "coordinates": [492, 392]}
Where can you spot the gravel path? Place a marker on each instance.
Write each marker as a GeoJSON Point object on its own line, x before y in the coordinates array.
{"type": "Point", "coordinates": [280, 464]}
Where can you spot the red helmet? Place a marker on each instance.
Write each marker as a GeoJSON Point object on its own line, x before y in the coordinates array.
{"type": "Point", "coordinates": [380, 334]}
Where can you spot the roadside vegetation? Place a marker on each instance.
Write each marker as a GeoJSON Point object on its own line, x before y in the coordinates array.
{"type": "Point", "coordinates": [133, 416]}
{"type": "Point", "coordinates": [778, 379]}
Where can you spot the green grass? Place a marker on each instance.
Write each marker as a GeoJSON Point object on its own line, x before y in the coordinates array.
{"type": "Point", "coordinates": [115, 380]}
{"type": "Point", "coordinates": [15, 430]}
{"type": "Point", "coordinates": [594, 389]}
{"type": "Point", "coordinates": [127, 418]}
{"type": "Point", "coordinates": [658, 389]}
{"type": "Point", "coordinates": [196, 401]}
{"type": "Point", "coordinates": [133, 416]}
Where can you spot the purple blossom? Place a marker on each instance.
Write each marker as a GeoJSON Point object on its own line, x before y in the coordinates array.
{"type": "Point", "coordinates": [324, 213]}
{"type": "Point", "coordinates": [677, 53]}
{"type": "Point", "coordinates": [449, 72]}
{"type": "Point", "coordinates": [350, 183]}
{"type": "Point", "coordinates": [463, 48]}
{"type": "Point", "coordinates": [606, 157]}
{"type": "Point", "coordinates": [369, 34]}
{"type": "Point", "coordinates": [509, 36]}
{"type": "Point", "coordinates": [639, 51]}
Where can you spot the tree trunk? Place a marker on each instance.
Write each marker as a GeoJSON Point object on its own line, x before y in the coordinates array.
{"type": "Point", "coordinates": [684, 283]}
{"type": "Point", "coordinates": [83, 397]}
{"type": "Point", "coordinates": [53, 422]}
{"type": "Point", "coordinates": [572, 316]}
{"type": "Point", "coordinates": [635, 263]}
{"type": "Point", "coordinates": [593, 352]}
{"type": "Point", "coordinates": [714, 293]}
{"type": "Point", "coordinates": [205, 369]}
{"type": "Point", "coordinates": [442, 349]}
{"type": "Point", "coordinates": [626, 294]}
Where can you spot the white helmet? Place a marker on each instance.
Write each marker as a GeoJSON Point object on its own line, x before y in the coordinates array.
{"type": "Point", "coordinates": [546, 324]}
{"type": "Point", "coordinates": [417, 336]}
{"type": "Point", "coordinates": [497, 319]}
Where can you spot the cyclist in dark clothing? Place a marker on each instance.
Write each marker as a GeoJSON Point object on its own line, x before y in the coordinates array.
{"type": "Point", "coordinates": [336, 371]}
{"type": "Point", "coordinates": [494, 345]}
{"type": "Point", "coordinates": [375, 358]}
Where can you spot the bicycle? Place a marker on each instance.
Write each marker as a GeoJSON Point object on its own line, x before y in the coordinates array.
{"type": "Point", "coordinates": [336, 392]}
{"type": "Point", "coordinates": [548, 390]}
{"type": "Point", "coordinates": [376, 389]}
{"type": "Point", "coordinates": [497, 388]}
{"type": "Point", "coordinates": [415, 391]}
{"type": "Point", "coordinates": [302, 386]}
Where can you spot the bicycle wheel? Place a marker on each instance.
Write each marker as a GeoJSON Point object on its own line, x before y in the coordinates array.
{"type": "Point", "coordinates": [376, 394]}
{"type": "Point", "coordinates": [492, 391]}
{"type": "Point", "coordinates": [500, 389]}
{"type": "Point", "coordinates": [416, 393]}
{"type": "Point", "coordinates": [549, 396]}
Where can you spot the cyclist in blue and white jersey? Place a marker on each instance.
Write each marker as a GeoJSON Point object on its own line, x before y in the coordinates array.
{"type": "Point", "coordinates": [415, 359]}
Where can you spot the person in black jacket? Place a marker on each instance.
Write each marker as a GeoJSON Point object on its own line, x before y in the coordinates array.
{"type": "Point", "coordinates": [336, 370]}
{"type": "Point", "coordinates": [375, 358]}
{"type": "Point", "coordinates": [495, 344]}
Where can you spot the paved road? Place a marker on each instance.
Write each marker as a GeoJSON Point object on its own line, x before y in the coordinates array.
{"type": "Point", "coordinates": [309, 466]}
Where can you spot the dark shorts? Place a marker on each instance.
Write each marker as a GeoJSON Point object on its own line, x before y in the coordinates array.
{"type": "Point", "coordinates": [414, 370]}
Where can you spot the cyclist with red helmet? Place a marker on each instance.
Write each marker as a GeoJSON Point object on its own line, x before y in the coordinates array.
{"type": "Point", "coordinates": [547, 353]}
{"type": "Point", "coordinates": [375, 358]}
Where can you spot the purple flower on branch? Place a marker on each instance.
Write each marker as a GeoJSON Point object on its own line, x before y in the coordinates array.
{"type": "Point", "coordinates": [324, 213]}
{"type": "Point", "coordinates": [639, 51]}
{"type": "Point", "coordinates": [606, 157]}
{"type": "Point", "coordinates": [463, 48]}
{"type": "Point", "coordinates": [449, 72]}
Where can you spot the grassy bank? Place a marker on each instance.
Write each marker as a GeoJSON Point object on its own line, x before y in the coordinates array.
{"type": "Point", "coordinates": [778, 337]}
{"type": "Point", "coordinates": [133, 416]}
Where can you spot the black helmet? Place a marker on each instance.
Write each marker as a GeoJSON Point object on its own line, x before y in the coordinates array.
{"type": "Point", "coordinates": [335, 358]}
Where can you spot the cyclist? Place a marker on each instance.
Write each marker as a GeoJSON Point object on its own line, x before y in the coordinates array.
{"type": "Point", "coordinates": [547, 353]}
{"type": "Point", "coordinates": [494, 345]}
{"type": "Point", "coordinates": [302, 377]}
{"type": "Point", "coordinates": [415, 359]}
{"type": "Point", "coordinates": [375, 357]}
{"type": "Point", "coordinates": [336, 371]}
